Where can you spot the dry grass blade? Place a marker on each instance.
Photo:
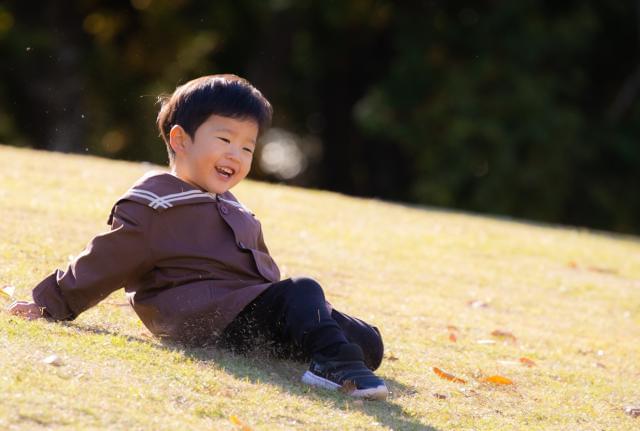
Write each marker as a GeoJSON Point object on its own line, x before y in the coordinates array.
{"type": "Point", "coordinates": [348, 387]}
{"type": "Point", "coordinates": [499, 333]}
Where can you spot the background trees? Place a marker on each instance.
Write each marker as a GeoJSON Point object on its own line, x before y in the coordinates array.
{"type": "Point", "coordinates": [518, 108]}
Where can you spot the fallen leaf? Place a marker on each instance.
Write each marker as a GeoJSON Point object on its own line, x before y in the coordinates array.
{"type": "Point", "coordinates": [504, 334]}
{"type": "Point", "coordinates": [392, 357]}
{"type": "Point", "coordinates": [600, 365]}
{"type": "Point", "coordinates": [8, 291]}
{"type": "Point", "coordinates": [602, 270]}
{"type": "Point", "coordinates": [452, 337]}
{"type": "Point", "coordinates": [572, 264]}
{"type": "Point", "coordinates": [633, 411]}
{"type": "Point", "coordinates": [478, 304]}
{"type": "Point", "coordinates": [527, 362]}
{"type": "Point", "coordinates": [486, 341]}
{"type": "Point", "coordinates": [447, 376]}
{"type": "Point", "coordinates": [440, 396]}
{"type": "Point", "coordinates": [52, 360]}
{"type": "Point", "coordinates": [452, 328]}
{"type": "Point", "coordinates": [348, 387]}
{"type": "Point", "coordinates": [467, 392]}
{"type": "Point", "coordinates": [497, 380]}
{"type": "Point", "coordinates": [234, 420]}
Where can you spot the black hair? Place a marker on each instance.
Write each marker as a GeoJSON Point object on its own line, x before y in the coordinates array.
{"type": "Point", "coordinates": [191, 104]}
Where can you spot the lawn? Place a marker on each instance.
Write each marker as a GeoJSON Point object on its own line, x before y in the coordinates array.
{"type": "Point", "coordinates": [553, 309]}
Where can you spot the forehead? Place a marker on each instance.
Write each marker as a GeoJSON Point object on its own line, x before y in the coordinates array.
{"type": "Point", "coordinates": [236, 126]}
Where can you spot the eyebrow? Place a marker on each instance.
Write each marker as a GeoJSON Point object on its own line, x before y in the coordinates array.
{"type": "Point", "coordinates": [232, 132]}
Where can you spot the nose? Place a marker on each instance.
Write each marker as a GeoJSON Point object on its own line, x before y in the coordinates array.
{"type": "Point", "coordinates": [233, 152]}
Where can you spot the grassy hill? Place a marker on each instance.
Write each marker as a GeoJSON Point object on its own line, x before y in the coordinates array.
{"type": "Point", "coordinates": [438, 284]}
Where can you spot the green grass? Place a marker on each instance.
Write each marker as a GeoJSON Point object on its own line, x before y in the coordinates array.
{"type": "Point", "coordinates": [570, 297]}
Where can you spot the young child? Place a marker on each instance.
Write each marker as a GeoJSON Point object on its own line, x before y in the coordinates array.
{"type": "Point", "coordinates": [193, 260]}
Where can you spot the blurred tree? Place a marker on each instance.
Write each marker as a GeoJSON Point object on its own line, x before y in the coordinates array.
{"type": "Point", "coordinates": [518, 108]}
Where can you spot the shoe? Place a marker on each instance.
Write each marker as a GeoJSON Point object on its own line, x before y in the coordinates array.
{"type": "Point", "coordinates": [346, 372]}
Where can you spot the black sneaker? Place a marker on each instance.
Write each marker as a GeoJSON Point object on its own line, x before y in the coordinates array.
{"type": "Point", "coordinates": [347, 372]}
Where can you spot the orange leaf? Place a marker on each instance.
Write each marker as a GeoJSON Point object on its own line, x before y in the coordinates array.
{"type": "Point", "coordinates": [497, 380]}
{"type": "Point", "coordinates": [452, 328]}
{"type": "Point", "coordinates": [504, 334]}
{"type": "Point", "coordinates": [528, 362]}
{"type": "Point", "coordinates": [234, 420]}
{"type": "Point", "coordinates": [452, 337]}
{"type": "Point", "coordinates": [447, 376]}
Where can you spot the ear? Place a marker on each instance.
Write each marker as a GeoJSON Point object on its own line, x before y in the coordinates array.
{"type": "Point", "coordinates": [179, 139]}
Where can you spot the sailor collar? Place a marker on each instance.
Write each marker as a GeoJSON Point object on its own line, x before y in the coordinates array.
{"type": "Point", "coordinates": [162, 191]}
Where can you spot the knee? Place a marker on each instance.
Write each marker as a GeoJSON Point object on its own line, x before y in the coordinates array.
{"type": "Point", "coordinates": [306, 286]}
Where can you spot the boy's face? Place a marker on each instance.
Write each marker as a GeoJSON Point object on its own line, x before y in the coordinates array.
{"type": "Point", "coordinates": [219, 155]}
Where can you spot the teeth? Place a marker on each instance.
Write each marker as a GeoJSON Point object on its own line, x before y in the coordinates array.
{"type": "Point", "coordinates": [227, 171]}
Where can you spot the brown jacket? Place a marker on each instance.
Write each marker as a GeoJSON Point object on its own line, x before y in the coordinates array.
{"type": "Point", "coordinates": [189, 261]}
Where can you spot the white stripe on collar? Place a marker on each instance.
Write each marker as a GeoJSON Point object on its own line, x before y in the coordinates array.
{"type": "Point", "coordinates": [165, 201]}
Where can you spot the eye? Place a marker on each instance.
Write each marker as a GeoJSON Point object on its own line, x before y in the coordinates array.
{"type": "Point", "coordinates": [248, 150]}
{"type": "Point", "coordinates": [224, 139]}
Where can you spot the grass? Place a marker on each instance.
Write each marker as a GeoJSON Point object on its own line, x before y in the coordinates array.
{"type": "Point", "coordinates": [569, 296]}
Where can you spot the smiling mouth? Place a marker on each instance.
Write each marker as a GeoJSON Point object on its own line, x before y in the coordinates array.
{"type": "Point", "coordinates": [225, 172]}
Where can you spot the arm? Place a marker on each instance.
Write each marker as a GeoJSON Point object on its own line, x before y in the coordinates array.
{"type": "Point", "coordinates": [108, 262]}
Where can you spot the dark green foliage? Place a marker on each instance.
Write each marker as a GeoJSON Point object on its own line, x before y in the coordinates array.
{"type": "Point", "coordinates": [523, 108]}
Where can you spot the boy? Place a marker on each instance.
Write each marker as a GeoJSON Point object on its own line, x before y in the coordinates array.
{"type": "Point", "coordinates": [193, 261]}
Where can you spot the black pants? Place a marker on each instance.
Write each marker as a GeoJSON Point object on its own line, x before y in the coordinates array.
{"type": "Point", "coordinates": [291, 320]}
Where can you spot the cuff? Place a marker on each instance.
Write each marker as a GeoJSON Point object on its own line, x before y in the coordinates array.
{"type": "Point", "coordinates": [47, 294]}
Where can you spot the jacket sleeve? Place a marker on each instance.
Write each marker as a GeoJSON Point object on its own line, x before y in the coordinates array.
{"type": "Point", "coordinates": [108, 262]}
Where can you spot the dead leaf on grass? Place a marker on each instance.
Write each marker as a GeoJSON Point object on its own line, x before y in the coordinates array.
{"type": "Point", "coordinates": [633, 411]}
{"type": "Point", "coordinates": [440, 396]}
{"type": "Point", "coordinates": [527, 362]}
{"type": "Point", "coordinates": [499, 333]}
{"type": "Point", "coordinates": [452, 328]}
{"type": "Point", "coordinates": [8, 291]}
{"type": "Point", "coordinates": [236, 421]}
{"type": "Point", "coordinates": [478, 304]}
{"type": "Point", "coordinates": [348, 387]}
{"type": "Point", "coordinates": [497, 380]}
{"type": "Point", "coordinates": [52, 360]}
{"type": "Point", "coordinates": [452, 337]}
{"type": "Point", "coordinates": [392, 357]}
{"type": "Point", "coordinates": [602, 270]}
{"type": "Point", "coordinates": [447, 376]}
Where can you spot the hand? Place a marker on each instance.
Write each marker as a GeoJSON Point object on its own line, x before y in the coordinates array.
{"type": "Point", "coordinates": [28, 310]}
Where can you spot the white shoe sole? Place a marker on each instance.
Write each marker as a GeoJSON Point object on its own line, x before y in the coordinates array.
{"type": "Point", "coordinates": [377, 393]}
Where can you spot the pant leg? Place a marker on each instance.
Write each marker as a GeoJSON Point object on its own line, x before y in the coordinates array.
{"type": "Point", "coordinates": [290, 318]}
{"type": "Point", "coordinates": [363, 334]}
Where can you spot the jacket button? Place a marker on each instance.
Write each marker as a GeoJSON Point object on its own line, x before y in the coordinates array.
{"type": "Point", "coordinates": [223, 209]}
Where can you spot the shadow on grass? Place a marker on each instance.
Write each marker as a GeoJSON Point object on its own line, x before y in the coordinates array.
{"type": "Point", "coordinates": [260, 367]}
